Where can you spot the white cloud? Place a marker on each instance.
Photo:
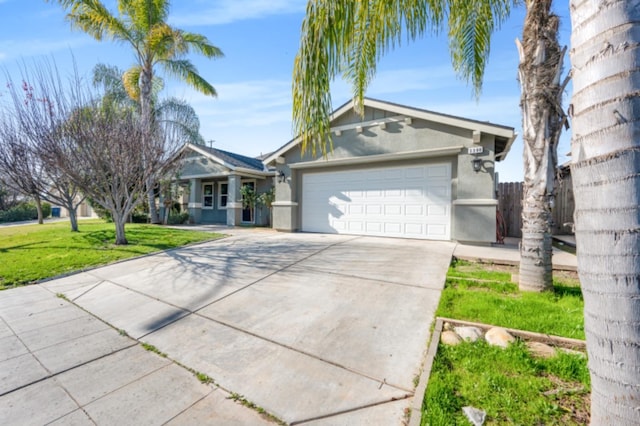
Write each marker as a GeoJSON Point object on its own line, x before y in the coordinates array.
{"type": "Point", "coordinates": [247, 117]}
{"type": "Point", "coordinates": [24, 48]}
{"type": "Point", "coordinates": [228, 11]}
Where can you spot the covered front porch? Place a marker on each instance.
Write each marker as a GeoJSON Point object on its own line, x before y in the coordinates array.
{"type": "Point", "coordinates": [212, 182]}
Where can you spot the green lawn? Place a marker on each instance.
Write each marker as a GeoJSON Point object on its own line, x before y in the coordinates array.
{"type": "Point", "coordinates": [510, 385]}
{"type": "Point", "coordinates": [474, 292]}
{"type": "Point", "coordinates": [34, 252]}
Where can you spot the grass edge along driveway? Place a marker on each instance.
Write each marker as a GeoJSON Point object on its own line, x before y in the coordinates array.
{"type": "Point", "coordinates": [32, 253]}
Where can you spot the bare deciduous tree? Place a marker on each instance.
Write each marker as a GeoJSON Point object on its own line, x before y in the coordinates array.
{"type": "Point", "coordinates": [95, 144]}
{"type": "Point", "coordinates": [23, 168]}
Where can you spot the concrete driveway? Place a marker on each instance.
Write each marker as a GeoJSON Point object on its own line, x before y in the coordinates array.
{"type": "Point", "coordinates": [315, 329]}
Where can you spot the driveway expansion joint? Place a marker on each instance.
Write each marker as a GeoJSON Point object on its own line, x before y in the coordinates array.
{"type": "Point", "coordinates": [350, 410]}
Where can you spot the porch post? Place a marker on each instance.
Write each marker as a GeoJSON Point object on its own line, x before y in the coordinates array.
{"type": "Point", "coordinates": [234, 201]}
{"type": "Point", "coordinates": [195, 200]}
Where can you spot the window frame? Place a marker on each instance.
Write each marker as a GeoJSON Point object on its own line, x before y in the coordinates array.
{"type": "Point", "coordinates": [222, 194]}
{"type": "Point", "coordinates": [212, 195]}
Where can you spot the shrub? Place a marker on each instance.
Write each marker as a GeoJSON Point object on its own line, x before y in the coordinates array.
{"type": "Point", "coordinates": [177, 218]}
{"type": "Point", "coordinates": [24, 211]}
{"type": "Point", "coordinates": [46, 210]}
{"type": "Point", "coordinates": [139, 217]}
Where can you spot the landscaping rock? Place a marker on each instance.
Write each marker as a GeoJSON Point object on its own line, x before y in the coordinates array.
{"type": "Point", "coordinates": [498, 336]}
{"type": "Point", "coordinates": [470, 334]}
{"type": "Point", "coordinates": [541, 350]}
{"type": "Point", "coordinates": [450, 338]}
{"type": "Point", "coordinates": [447, 326]}
{"type": "Point", "coordinates": [475, 416]}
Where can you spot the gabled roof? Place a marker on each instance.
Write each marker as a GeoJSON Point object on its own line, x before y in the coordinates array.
{"type": "Point", "coordinates": [505, 135]}
{"type": "Point", "coordinates": [234, 159]}
{"type": "Point", "coordinates": [228, 159]}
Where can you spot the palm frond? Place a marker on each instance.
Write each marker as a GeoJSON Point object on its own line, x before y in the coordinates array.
{"type": "Point", "coordinates": [131, 82]}
{"type": "Point", "coordinates": [201, 44]}
{"type": "Point", "coordinates": [471, 24]}
{"type": "Point", "coordinates": [180, 120]}
{"type": "Point", "coordinates": [186, 71]}
{"type": "Point", "coordinates": [93, 18]}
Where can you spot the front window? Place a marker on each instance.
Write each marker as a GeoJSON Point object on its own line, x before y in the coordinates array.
{"type": "Point", "coordinates": [207, 196]}
{"type": "Point", "coordinates": [223, 195]}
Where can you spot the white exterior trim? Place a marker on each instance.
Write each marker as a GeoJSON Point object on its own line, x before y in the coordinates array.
{"type": "Point", "coordinates": [234, 205]}
{"type": "Point", "coordinates": [284, 204]}
{"type": "Point", "coordinates": [476, 202]}
{"type": "Point", "coordinates": [219, 206]}
{"type": "Point", "coordinates": [203, 176]}
{"type": "Point", "coordinates": [408, 113]}
{"type": "Point", "coordinates": [463, 123]}
{"type": "Point", "coordinates": [426, 153]}
{"type": "Point", "coordinates": [213, 195]}
{"type": "Point", "coordinates": [194, 205]}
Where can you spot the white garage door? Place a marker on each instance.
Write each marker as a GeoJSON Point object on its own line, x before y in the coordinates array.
{"type": "Point", "coordinates": [410, 202]}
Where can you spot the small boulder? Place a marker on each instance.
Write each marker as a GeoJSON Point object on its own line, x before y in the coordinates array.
{"type": "Point", "coordinates": [450, 338]}
{"type": "Point", "coordinates": [541, 350]}
{"type": "Point", "coordinates": [447, 326]}
{"type": "Point", "coordinates": [498, 336]}
{"type": "Point", "coordinates": [470, 334]}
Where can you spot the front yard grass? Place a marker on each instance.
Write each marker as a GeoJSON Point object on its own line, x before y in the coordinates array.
{"type": "Point", "coordinates": [35, 252]}
{"type": "Point", "coordinates": [511, 385]}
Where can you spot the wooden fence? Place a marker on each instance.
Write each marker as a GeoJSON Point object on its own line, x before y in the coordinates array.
{"type": "Point", "coordinates": [510, 206]}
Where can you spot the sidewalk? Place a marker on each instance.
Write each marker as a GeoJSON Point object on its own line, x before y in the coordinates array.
{"type": "Point", "coordinates": [59, 364]}
{"type": "Point", "coordinates": [509, 254]}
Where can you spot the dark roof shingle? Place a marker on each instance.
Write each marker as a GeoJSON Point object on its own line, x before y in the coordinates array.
{"type": "Point", "coordinates": [233, 159]}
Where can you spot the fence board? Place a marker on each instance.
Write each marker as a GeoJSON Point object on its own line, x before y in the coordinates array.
{"type": "Point", "coordinates": [510, 205]}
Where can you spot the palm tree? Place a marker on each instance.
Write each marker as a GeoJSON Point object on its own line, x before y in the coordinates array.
{"type": "Point", "coordinates": [176, 117]}
{"type": "Point", "coordinates": [539, 73]}
{"type": "Point", "coordinates": [605, 156]}
{"type": "Point", "coordinates": [348, 38]}
{"type": "Point", "coordinates": [142, 25]}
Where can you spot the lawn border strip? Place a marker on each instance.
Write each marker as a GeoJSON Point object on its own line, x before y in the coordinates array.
{"type": "Point", "coordinates": [418, 396]}
{"type": "Point", "coordinates": [506, 262]}
{"type": "Point", "coordinates": [421, 389]}
{"type": "Point", "coordinates": [565, 342]}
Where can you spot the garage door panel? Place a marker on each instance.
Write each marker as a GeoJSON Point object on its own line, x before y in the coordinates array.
{"type": "Point", "coordinates": [373, 227]}
{"type": "Point", "coordinates": [393, 209]}
{"type": "Point", "coordinates": [436, 210]}
{"type": "Point", "coordinates": [437, 230]}
{"type": "Point", "coordinates": [415, 173]}
{"type": "Point", "coordinates": [442, 170]}
{"type": "Point", "coordinates": [412, 202]}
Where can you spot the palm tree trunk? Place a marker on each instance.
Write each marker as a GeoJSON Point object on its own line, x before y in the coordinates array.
{"type": "Point", "coordinates": [539, 74]}
{"type": "Point", "coordinates": [606, 178]}
{"type": "Point", "coordinates": [146, 117]}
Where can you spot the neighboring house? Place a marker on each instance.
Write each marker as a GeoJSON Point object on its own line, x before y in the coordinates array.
{"type": "Point", "coordinates": [213, 178]}
{"type": "Point", "coordinates": [84, 210]}
{"type": "Point", "coordinates": [397, 172]}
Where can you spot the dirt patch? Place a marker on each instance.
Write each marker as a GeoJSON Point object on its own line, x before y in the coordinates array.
{"type": "Point", "coordinates": [575, 402]}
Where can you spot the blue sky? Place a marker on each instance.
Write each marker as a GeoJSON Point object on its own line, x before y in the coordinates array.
{"type": "Point", "coordinates": [252, 113]}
